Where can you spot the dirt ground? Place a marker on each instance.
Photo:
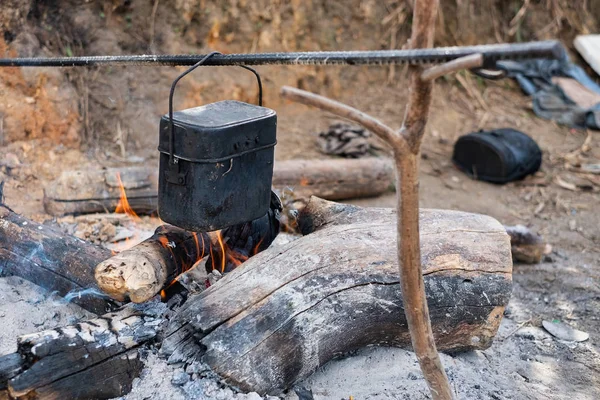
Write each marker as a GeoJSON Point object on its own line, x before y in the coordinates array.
{"type": "Point", "coordinates": [51, 121]}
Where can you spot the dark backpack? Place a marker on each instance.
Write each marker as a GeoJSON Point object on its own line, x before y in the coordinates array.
{"type": "Point", "coordinates": [498, 156]}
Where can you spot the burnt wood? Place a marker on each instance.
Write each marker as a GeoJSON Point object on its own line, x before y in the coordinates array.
{"type": "Point", "coordinates": [88, 191]}
{"type": "Point", "coordinates": [51, 259]}
{"type": "Point", "coordinates": [141, 272]}
{"type": "Point", "coordinates": [291, 309]}
{"type": "Point", "coordinates": [95, 359]}
{"type": "Point", "coordinates": [10, 366]}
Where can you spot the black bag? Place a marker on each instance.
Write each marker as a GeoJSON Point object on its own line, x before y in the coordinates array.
{"type": "Point", "coordinates": [498, 156]}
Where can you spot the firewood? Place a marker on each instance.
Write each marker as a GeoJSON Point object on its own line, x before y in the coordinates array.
{"type": "Point", "coordinates": [95, 359]}
{"type": "Point", "coordinates": [141, 272]}
{"type": "Point", "coordinates": [90, 190]}
{"type": "Point", "coordinates": [80, 192]}
{"type": "Point", "coordinates": [290, 309]}
{"type": "Point", "coordinates": [51, 259]}
{"type": "Point", "coordinates": [10, 366]}
{"type": "Point", "coordinates": [335, 179]}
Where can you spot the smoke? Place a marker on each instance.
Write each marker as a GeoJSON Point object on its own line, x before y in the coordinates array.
{"type": "Point", "coordinates": [78, 294]}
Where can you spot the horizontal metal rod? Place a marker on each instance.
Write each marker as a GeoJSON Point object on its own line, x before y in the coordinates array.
{"type": "Point", "coordinates": [491, 54]}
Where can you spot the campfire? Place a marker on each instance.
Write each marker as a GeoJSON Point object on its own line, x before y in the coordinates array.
{"type": "Point", "coordinates": [260, 301]}
{"type": "Point", "coordinates": [262, 316]}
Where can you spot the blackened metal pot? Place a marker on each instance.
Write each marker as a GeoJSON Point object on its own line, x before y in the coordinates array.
{"type": "Point", "coordinates": [216, 163]}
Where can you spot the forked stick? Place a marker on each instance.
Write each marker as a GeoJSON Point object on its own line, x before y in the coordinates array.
{"type": "Point", "coordinates": [406, 146]}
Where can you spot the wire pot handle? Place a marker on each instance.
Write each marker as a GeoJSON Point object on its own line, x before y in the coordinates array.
{"type": "Point", "coordinates": [172, 159]}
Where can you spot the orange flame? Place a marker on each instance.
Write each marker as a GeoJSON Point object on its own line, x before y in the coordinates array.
{"type": "Point", "coordinates": [200, 256]}
{"type": "Point", "coordinates": [220, 240]}
{"type": "Point", "coordinates": [236, 258]}
{"type": "Point", "coordinates": [255, 249]}
{"type": "Point", "coordinates": [123, 206]}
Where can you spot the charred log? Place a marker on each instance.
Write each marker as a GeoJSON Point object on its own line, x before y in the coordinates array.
{"type": "Point", "coordinates": [296, 306]}
{"type": "Point", "coordinates": [95, 359]}
{"type": "Point", "coordinates": [336, 290]}
{"type": "Point", "coordinates": [140, 273]}
{"type": "Point", "coordinates": [51, 259]}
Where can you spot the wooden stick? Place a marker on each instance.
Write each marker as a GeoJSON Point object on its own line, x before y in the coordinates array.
{"type": "Point", "coordinates": [407, 154]}
{"type": "Point", "coordinates": [408, 251]}
{"type": "Point", "coordinates": [466, 62]}
{"type": "Point", "coordinates": [52, 259]}
{"type": "Point", "coordinates": [335, 107]}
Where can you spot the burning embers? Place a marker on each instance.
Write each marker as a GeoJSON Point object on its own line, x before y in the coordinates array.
{"type": "Point", "coordinates": [154, 265]}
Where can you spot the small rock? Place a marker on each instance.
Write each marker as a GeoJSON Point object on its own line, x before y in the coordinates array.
{"type": "Point", "coordinates": [303, 393]}
{"type": "Point", "coordinates": [11, 160]}
{"type": "Point", "coordinates": [196, 368]}
{"type": "Point", "coordinates": [565, 332]}
{"type": "Point", "coordinates": [224, 394]}
{"type": "Point", "coordinates": [252, 396]}
{"type": "Point", "coordinates": [532, 333]}
{"type": "Point", "coordinates": [180, 378]}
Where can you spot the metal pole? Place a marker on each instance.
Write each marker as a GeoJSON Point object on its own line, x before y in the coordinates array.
{"type": "Point", "coordinates": [491, 54]}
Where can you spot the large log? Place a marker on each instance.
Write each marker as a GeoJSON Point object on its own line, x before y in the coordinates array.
{"type": "Point", "coordinates": [291, 309]}
{"type": "Point", "coordinates": [87, 191]}
{"type": "Point", "coordinates": [51, 259]}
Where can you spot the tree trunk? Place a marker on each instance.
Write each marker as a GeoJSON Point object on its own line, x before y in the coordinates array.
{"type": "Point", "coordinates": [80, 192]}
{"type": "Point", "coordinates": [51, 259]}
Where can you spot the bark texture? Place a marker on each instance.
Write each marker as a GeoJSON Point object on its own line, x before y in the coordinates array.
{"type": "Point", "coordinates": [291, 309]}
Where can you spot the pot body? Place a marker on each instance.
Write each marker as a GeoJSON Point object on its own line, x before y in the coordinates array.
{"type": "Point", "coordinates": [222, 166]}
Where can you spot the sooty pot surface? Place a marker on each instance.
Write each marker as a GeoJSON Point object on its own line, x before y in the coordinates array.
{"type": "Point", "coordinates": [221, 167]}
